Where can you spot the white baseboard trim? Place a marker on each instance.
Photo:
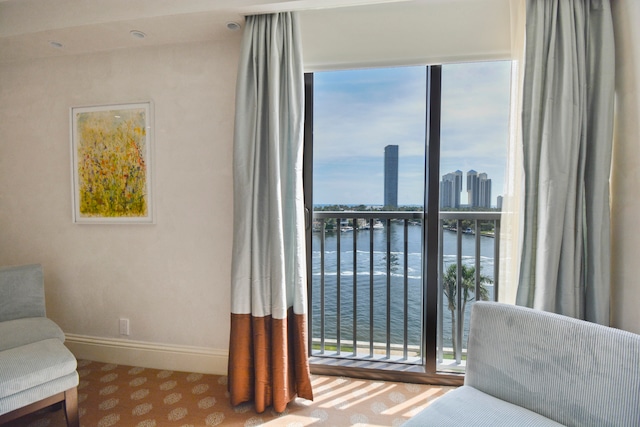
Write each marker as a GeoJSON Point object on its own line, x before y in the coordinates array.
{"type": "Point", "coordinates": [149, 355]}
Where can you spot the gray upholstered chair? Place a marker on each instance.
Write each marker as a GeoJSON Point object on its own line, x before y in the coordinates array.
{"type": "Point", "coordinates": [36, 369]}
{"type": "Point", "coordinates": [529, 368]}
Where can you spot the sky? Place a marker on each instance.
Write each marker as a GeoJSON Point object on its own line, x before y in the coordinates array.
{"type": "Point", "coordinates": [359, 112]}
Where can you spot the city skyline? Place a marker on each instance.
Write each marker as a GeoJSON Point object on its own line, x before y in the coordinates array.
{"type": "Point", "coordinates": [478, 187]}
{"type": "Point", "coordinates": [357, 113]}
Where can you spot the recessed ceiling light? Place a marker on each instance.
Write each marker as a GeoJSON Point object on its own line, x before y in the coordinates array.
{"type": "Point", "coordinates": [55, 44]}
{"type": "Point", "coordinates": [137, 34]}
{"type": "Point", "coordinates": [233, 26]}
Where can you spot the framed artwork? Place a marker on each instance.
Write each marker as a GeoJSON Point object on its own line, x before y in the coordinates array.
{"type": "Point", "coordinates": [111, 162]}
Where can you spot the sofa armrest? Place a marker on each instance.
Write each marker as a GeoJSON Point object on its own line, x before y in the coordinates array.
{"type": "Point", "coordinates": [21, 292]}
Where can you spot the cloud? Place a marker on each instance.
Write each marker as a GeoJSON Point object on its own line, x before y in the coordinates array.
{"type": "Point", "coordinates": [357, 113]}
{"type": "Point", "coordinates": [367, 111]}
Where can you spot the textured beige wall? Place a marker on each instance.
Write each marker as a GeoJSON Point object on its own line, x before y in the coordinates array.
{"type": "Point", "coordinates": [170, 279]}
{"type": "Point", "coordinates": [626, 169]}
{"type": "Point", "coordinates": [427, 32]}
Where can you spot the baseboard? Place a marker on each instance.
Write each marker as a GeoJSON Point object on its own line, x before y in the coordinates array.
{"type": "Point", "coordinates": [148, 355]}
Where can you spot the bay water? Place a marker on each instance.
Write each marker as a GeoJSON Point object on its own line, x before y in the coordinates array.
{"type": "Point", "coordinates": [358, 280]}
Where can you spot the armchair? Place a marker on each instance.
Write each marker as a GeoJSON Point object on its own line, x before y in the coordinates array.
{"type": "Point", "coordinates": [36, 369]}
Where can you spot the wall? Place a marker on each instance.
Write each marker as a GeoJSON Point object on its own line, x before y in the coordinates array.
{"type": "Point", "coordinates": [170, 279]}
{"type": "Point", "coordinates": [625, 177]}
{"type": "Point", "coordinates": [411, 33]}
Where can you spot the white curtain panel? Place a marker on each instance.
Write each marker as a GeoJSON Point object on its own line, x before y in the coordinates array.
{"type": "Point", "coordinates": [268, 361]}
{"type": "Point", "coordinates": [567, 122]}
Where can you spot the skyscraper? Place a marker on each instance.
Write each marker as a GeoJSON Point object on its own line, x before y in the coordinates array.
{"type": "Point", "coordinates": [450, 188]}
{"type": "Point", "coordinates": [484, 191]}
{"type": "Point", "coordinates": [391, 176]}
{"type": "Point", "coordinates": [472, 188]}
{"type": "Point", "coordinates": [478, 189]}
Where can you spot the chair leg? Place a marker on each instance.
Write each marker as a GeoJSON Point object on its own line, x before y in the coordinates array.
{"type": "Point", "coordinates": [71, 407]}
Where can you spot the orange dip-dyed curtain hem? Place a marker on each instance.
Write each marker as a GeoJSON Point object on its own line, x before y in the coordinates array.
{"type": "Point", "coordinates": [268, 361]}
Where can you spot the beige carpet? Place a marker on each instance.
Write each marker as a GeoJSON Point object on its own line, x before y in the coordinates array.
{"type": "Point", "coordinates": [114, 395]}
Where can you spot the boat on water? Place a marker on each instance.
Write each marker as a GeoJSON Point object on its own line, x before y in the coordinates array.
{"type": "Point", "coordinates": [377, 225]}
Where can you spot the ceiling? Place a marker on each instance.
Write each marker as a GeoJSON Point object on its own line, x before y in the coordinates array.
{"type": "Point", "coordinates": [43, 28]}
{"type": "Point", "coordinates": [31, 29]}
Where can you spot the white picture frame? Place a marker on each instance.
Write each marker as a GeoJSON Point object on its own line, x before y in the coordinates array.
{"type": "Point", "coordinates": [111, 160]}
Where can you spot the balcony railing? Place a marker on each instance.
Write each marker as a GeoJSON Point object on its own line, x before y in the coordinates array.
{"type": "Point", "coordinates": [367, 288]}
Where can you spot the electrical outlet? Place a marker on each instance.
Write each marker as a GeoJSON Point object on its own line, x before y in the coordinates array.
{"type": "Point", "coordinates": [124, 326]}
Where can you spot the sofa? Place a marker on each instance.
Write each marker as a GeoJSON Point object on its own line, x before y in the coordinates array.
{"type": "Point", "coordinates": [36, 369]}
{"type": "Point", "coordinates": [532, 368]}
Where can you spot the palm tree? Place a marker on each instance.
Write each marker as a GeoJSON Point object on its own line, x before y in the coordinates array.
{"type": "Point", "coordinates": [468, 285]}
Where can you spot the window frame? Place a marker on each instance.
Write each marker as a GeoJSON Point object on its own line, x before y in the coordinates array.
{"type": "Point", "coordinates": [426, 372]}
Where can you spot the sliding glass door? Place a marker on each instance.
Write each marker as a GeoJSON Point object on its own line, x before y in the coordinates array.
{"type": "Point", "coordinates": [379, 293]}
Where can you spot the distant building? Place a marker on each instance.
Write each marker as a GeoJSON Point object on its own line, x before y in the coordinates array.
{"type": "Point", "coordinates": [478, 189]}
{"type": "Point", "coordinates": [450, 189]}
{"type": "Point", "coordinates": [472, 188]}
{"type": "Point", "coordinates": [499, 204]}
{"type": "Point", "coordinates": [391, 176]}
{"type": "Point", "coordinates": [484, 189]}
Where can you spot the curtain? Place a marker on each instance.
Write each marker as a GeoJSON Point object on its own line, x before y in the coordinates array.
{"type": "Point", "coordinates": [567, 121]}
{"type": "Point", "coordinates": [268, 360]}
{"type": "Point", "coordinates": [511, 218]}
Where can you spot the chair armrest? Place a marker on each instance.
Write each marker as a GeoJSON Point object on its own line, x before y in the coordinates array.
{"type": "Point", "coordinates": [19, 332]}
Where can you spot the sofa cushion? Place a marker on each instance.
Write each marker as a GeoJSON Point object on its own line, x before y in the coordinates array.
{"type": "Point", "coordinates": [21, 292]}
{"type": "Point", "coordinates": [14, 333]}
{"type": "Point", "coordinates": [467, 406]}
{"type": "Point", "coordinates": [31, 365]}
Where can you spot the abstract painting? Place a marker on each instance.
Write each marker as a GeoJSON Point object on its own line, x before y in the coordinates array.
{"type": "Point", "coordinates": [111, 159]}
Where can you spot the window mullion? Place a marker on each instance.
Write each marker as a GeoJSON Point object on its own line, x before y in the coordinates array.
{"type": "Point", "coordinates": [431, 221]}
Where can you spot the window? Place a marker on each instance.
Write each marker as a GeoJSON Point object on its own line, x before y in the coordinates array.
{"type": "Point", "coordinates": [403, 167]}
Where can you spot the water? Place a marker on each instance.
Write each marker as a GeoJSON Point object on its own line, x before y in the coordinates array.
{"type": "Point", "coordinates": [362, 282]}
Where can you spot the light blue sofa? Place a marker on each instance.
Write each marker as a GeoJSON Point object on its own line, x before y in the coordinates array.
{"type": "Point", "coordinates": [36, 369]}
{"type": "Point", "coordinates": [532, 368]}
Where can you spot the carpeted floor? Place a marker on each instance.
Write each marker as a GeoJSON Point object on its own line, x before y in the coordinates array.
{"type": "Point", "coordinates": [114, 395]}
